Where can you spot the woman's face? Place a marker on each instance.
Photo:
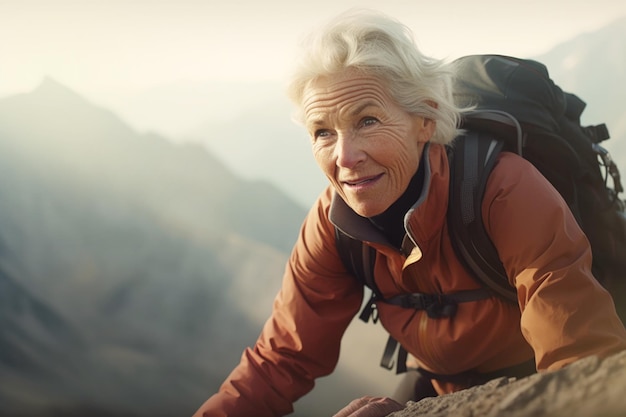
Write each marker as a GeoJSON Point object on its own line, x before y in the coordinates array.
{"type": "Point", "coordinates": [365, 143]}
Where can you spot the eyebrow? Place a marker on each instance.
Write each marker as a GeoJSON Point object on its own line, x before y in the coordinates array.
{"type": "Point", "coordinates": [369, 103]}
{"type": "Point", "coordinates": [317, 122]}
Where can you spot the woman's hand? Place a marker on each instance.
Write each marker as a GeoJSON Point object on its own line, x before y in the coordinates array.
{"type": "Point", "coordinates": [370, 407]}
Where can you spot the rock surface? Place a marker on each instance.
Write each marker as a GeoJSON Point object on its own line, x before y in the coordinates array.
{"type": "Point", "coordinates": [587, 388]}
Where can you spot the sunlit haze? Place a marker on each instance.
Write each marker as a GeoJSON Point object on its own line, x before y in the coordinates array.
{"type": "Point", "coordinates": [114, 47]}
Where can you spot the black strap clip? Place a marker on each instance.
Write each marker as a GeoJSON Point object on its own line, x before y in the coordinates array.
{"type": "Point", "coordinates": [441, 307]}
{"type": "Point", "coordinates": [370, 310]}
{"type": "Point", "coordinates": [436, 305]}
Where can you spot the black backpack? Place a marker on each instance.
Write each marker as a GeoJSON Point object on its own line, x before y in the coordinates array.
{"type": "Point", "coordinates": [518, 108]}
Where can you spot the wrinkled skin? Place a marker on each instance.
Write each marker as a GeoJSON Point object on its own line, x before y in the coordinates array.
{"type": "Point", "coordinates": [368, 146]}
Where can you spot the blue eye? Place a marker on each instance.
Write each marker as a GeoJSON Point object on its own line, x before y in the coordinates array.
{"type": "Point", "coordinates": [368, 121]}
{"type": "Point", "coordinates": [322, 133]}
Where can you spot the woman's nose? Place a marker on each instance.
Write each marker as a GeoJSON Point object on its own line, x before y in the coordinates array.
{"type": "Point", "coordinates": [348, 150]}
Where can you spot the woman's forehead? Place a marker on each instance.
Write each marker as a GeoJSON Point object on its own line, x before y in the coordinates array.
{"type": "Point", "coordinates": [334, 93]}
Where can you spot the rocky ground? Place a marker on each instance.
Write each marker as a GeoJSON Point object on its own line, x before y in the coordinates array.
{"type": "Point", "coordinates": [588, 388]}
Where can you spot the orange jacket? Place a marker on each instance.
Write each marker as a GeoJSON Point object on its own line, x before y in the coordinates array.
{"type": "Point", "coordinates": [563, 313]}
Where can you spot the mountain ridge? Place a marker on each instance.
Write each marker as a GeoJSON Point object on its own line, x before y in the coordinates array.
{"type": "Point", "coordinates": [145, 251]}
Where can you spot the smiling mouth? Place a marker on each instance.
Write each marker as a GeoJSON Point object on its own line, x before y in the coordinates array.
{"type": "Point", "coordinates": [363, 181]}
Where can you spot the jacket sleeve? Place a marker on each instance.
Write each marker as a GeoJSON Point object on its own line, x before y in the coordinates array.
{"type": "Point", "coordinates": [300, 341]}
{"type": "Point", "coordinates": [566, 313]}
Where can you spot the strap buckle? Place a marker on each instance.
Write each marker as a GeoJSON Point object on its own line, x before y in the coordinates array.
{"type": "Point", "coordinates": [370, 310]}
{"type": "Point", "coordinates": [435, 305]}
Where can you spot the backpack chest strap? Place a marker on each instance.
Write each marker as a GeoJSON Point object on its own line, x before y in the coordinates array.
{"type": "Point", "coordinates": [435, 305]}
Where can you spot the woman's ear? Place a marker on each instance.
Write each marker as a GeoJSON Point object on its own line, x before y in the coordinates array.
{"type": "Point", "coordinates": [426, 128]}
{"type": "Point", "coordinates": [427, 125]}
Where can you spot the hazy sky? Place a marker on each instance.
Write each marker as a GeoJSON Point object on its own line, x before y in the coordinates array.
{"type": "Point", "coordinates": [105, 47]}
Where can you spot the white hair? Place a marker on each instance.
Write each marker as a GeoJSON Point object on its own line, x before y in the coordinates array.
{"type": "Point", "coordinates": [378, 45]}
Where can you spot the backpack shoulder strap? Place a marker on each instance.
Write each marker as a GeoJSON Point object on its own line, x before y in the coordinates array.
{"type": "Point", "coordinates": [472, 157]}
{"type": "Point", "coordinates": [359, 259]}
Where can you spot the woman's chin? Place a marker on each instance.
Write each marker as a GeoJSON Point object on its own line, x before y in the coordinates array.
{"type": "Point", "coordinates": [366, 208]}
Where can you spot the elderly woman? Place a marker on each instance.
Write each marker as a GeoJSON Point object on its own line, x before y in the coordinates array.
{"type": "Point", "coordinates": [379, 113]}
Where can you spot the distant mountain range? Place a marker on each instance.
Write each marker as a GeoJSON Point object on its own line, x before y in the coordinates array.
{"type": "Point", "coordinates": [127, 263]}
{"type": "Point", "coordinates": [592, 66]}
